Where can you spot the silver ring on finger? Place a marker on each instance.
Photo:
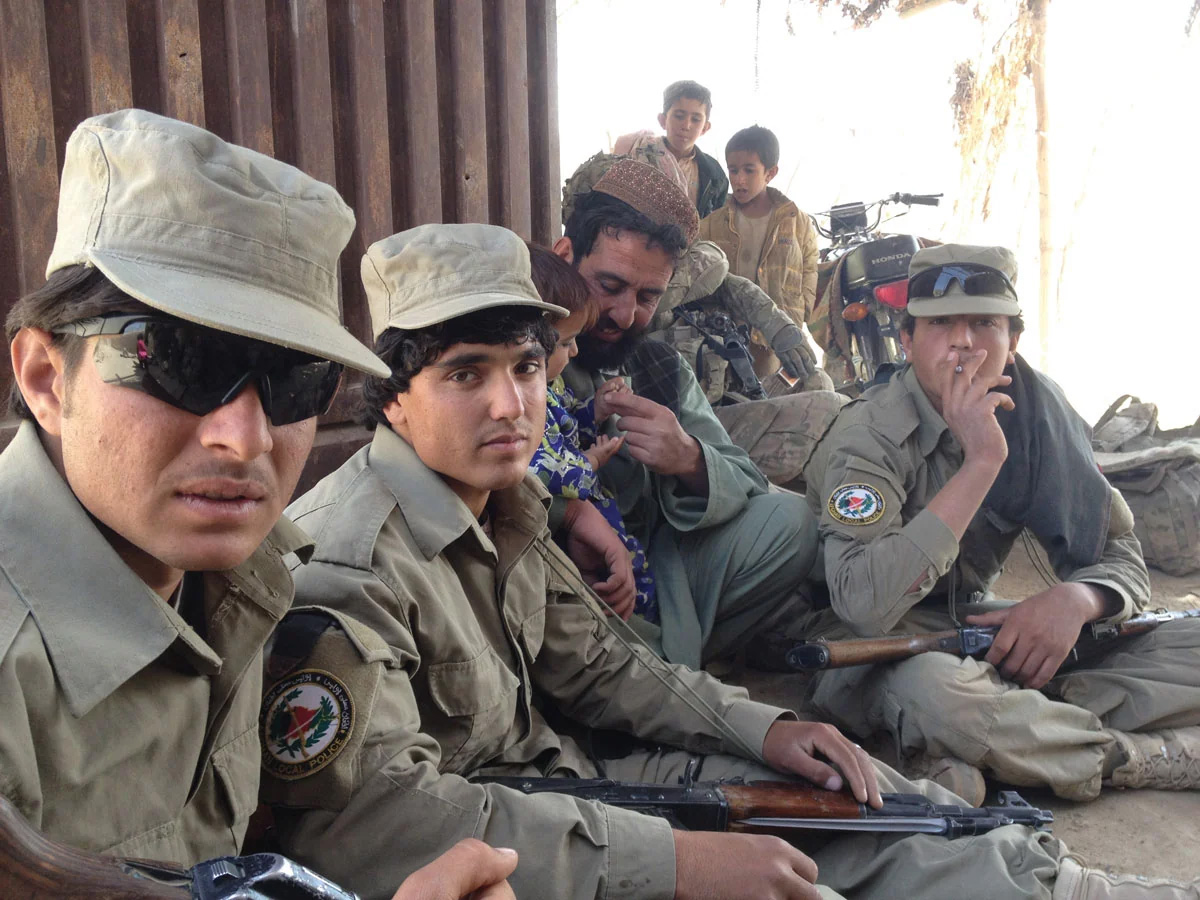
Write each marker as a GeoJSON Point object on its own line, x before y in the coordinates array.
{"type": "Point", "coordinates": [958, 370]}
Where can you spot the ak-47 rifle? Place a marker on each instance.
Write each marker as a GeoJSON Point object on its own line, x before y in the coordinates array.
{"type": "Point", "coordinates": [33, 867]}
{"type": "Point", "coordinates": [806, 656]}
{"type": "Point", "coordinates": [771, 807]}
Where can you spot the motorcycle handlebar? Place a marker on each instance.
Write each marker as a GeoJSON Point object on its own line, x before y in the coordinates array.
{"type": "Point", "coordinates": [917, 199]}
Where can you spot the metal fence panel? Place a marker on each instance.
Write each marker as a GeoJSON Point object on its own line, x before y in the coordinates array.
{"type": "Point", "coordinates": [417, 110]}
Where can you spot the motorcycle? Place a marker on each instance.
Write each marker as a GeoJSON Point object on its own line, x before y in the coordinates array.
{"type": "Point", "coordinates": [865, 286]}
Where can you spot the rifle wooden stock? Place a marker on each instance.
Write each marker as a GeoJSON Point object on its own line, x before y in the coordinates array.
{"type": "Point", "coordinates": [972, 640]}
{"type": "Point", "coordinates": [784, 800]}
{"type": "Point", "coordinates": [33, 867]}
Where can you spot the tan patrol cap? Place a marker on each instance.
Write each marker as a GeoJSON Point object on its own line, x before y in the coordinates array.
{"type": "Point", "coordinates": [433, 273]}
{"type": "Point", "coordinates": [207, 231]}
{"type": "Point", "coordinates": [956, 301]}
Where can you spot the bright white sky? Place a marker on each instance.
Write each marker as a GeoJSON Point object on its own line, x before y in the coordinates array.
{"type": "Point", "coordinates": [861, 114]}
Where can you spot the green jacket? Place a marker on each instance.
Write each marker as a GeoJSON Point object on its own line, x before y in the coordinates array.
{"type": "Point", "coordinates": [893, 452]}
{"type": "Point", "coordinates": [474, 628]}
{"type": "Point", "coordinates": [126, 731]}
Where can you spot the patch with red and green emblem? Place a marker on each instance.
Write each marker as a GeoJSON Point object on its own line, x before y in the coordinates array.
{"type": "Point", "coordinates": [856, 504]}
{"type": "Point", "coordinates": [306, 721]}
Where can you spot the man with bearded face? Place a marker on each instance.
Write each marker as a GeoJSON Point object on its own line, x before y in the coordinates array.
{"type": "Point", "coordinates": [726, 555]}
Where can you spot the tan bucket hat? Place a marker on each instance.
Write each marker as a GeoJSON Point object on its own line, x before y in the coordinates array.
{"type": "Point", "coordinates": [956, 301]}
{"type": "Point", "coordinates": [433, 273]}
{"type": "Point", "coordinates": [207, 231]}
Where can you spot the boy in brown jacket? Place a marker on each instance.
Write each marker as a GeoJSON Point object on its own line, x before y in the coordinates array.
{"type": "Point", "coordinates": [766, 237]}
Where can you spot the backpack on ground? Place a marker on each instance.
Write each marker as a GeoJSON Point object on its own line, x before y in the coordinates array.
{"type": "Point", "coordinates": [1158, 472]}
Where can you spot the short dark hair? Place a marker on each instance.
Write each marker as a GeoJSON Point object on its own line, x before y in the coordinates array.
{"type": "Point", "coordinates": [756, 139]}
{"type": "Point", "coordinates": [687, 90]}
{"type": "Point", "coordinates": [558, 282]}
{"type": "Point", "coordinates": [1016, 324]}
{"type": "Point", "coordinates": [597, 212]}
{"type": "Point", "coordinates": [407, 352]}
{"type": "Point", "coordinates": [69, 294]}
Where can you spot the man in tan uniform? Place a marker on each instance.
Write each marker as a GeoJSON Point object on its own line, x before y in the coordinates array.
{"type": "Point", "coordinates": [922, 487]}
{"type": "Point", "coordinates": [459, 635]}
{"type": "Point", "coordinates": [168, 376]}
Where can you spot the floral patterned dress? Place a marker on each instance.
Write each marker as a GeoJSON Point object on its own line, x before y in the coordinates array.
{"type": "Point", "coordinates": [564, 470]}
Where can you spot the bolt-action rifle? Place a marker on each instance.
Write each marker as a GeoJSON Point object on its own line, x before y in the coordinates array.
{"type": "Point", "coordinates": [33, 867]}
{"type": "Point", "coordinates": [972, 640]}
{"type": "Point", "coordinates": [771, 807]}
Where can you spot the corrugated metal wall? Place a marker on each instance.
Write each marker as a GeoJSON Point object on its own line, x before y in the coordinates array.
{"type": "Point", "coordinates": [417, 110]}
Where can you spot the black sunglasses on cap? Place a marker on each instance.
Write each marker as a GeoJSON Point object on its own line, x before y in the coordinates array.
{"type": "Point", "coordinates": [198, 369]}
{"type": "Point", "coordinates": [974, 280]}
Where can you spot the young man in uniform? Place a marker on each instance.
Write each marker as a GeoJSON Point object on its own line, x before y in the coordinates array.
{"type": "Point", "coordinates": [727, 556]}
{"type": "Point", "coordinates": [464, 636]}
{"type": "Point", "coordinates": [168, 376]}
{"type": "Point", "coordinates": [922, 487]}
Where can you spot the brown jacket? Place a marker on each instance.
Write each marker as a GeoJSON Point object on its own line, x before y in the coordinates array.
{"type": "Point", "coordinates": [787, 266]}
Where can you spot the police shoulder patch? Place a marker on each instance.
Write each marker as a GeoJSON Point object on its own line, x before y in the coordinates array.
{"type": "Point", "coordinates": [856, 504]}
{"type": "Point", "coordinates": [306, 722]}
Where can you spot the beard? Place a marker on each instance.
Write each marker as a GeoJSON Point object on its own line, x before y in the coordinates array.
{"type": "Point", "coordinates": [596, 355]}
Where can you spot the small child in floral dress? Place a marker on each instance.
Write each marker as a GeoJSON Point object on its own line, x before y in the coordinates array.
{"type": "Point", "coordinates": [573, 449]}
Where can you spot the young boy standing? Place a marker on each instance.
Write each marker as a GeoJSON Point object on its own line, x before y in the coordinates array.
{"type": "Point", "coordinates": [766, 237]}
{"type": "Point", "coordinates": [685, 118]}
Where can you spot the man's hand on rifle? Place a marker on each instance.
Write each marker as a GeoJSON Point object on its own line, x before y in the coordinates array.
{"type": "Point", "coordinates": [723, 866]}
{"type": "Point", "coordinates": [1038, 633]}
{"type": "Point", "coordinates": [795, 747]}
{"type": "Point", "coordinates": [469, 869]}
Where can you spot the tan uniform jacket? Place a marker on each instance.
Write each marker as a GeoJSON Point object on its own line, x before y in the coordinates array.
{"type": "Point", "coordinates": [478, 627]}
{"type": "Point", "coordinates": [787, 266]}
{"type": "Point", "coordinates": [125, 731]}
{"type": "Point", "coordinates": [881, 564]}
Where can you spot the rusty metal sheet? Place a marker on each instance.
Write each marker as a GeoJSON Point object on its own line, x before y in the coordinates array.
{"type": "Point", "coordinates": [29, 138]}
{"type": "Point", "coordinates": [180, 59]}
{"type": "Point", "coordinates": [511, 98]}
{"type": "Point", "coordinates": [545, 179]}
{"type": "Point", "coordinates": [417, 158]}
{"type": "Point", "coordinates": [105, 34]}
{"type": "Point", "coordinates": [312, 103]}
{"type": "Point", "coordinates": [249, 77]}
{"type": "Point", "coordinates": [470, 112]}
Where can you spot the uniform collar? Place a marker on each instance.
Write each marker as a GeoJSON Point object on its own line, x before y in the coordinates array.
{"type": "Point", "coordinates": [434, 514]}
{"type": "Point", "coordinates": [101, 624]}
{"type": "Point", "coordinates": [932, 426]}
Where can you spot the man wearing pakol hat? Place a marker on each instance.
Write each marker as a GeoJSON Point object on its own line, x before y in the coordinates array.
{"type": "Point", "coordinates": [922, 487]}
{"type": "Point", "coordinates": [727, 555]}
{"type": "Point", "coordinates": [168, 377]}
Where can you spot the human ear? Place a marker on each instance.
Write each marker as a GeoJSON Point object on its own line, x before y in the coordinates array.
{"type": "Point", "coordinates": [662, 120]}
{"type": "Point", "coordinates": [39, 370]}
{"type": "Point", "coordinates": [771, 173]}
{"type": "Point", "coordinates": [906, 343]}
{"type": "Point", "coordinates": [563, 249]}
{"type": "Point", "coordinates": [394, 412]}
{"type": "Point", "coordinates": [704, 130]}
{"type": "Point", "coordinates": [1012, 347]}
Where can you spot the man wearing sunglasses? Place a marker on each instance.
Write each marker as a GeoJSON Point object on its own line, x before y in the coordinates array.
{"type": "Point", "coordinates": [923, 486]}
{"type": "Point", "coordinates": [168, 376]}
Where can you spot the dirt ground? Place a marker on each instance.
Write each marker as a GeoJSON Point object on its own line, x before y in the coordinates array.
{"type": "Point", "coordinates": [1147, 832]}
